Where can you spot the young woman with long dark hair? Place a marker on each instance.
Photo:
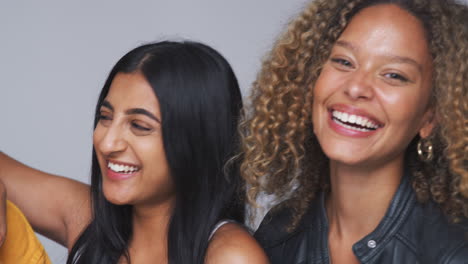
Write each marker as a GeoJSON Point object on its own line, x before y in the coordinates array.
{"type": "Point", "coordinates": [160, 192]}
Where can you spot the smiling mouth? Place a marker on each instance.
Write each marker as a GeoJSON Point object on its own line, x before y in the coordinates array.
{"type": "Point", "coordinates": [122, 168]}
{"type": "Point", "coordinates": [355, 122]}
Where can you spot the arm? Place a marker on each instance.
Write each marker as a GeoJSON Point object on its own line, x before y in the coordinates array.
{"type": "Point", "coordinates": [56, 207]}
{"type": "Point", "coordinates": [232, 244]}
{"type": "Point", "coordinates": [3, 227]}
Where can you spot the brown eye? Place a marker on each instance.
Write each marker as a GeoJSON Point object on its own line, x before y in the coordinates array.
{"type": "Point", "coordinates": [342, 62]}
{"type": "Point", "coordinates": [396, 76]}
{"type": "Point", "coordinates": [140, 127]}
{"type": "Point", "coordinates": [104, 118]}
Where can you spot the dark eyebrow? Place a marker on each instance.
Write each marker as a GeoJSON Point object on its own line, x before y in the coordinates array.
{"type": "Point", "coordinates": [133, 111]}
{"type": "Point", "coordinates": [141, 111]}
{"type": "Point", "coordinates": [393, 58]}
{"type": "Point", "coordinates": [400, 59]}
{"type": "Point", "coordinates": [106, 104]}
{"type": "Point", "coordinates": [346, 44]}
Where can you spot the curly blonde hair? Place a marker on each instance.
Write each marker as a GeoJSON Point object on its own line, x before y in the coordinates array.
{"type": "Point", "coordinates": [279, 149]}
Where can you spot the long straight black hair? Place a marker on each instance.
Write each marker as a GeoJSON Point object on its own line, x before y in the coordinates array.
{"type": "Point", "coordinates": [200, 103]}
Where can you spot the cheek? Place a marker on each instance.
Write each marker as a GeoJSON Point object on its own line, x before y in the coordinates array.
{"type": "Point", "coordinates": [322, 90]}
{"type": "Point", "coordinates": [98, 134]}
{"type": "Point", "coordinates": [403, 106]}
{"type": "Point", "coordinates": [320, 87]}
{"type": "Point", "coordinates": [159, 177]}
{"type": "Point", "coordinates": [315, 113]}
{"type": "Point", "coordinates": [152, 151]}
{"type": "Point", "coordinates": [329, 83]}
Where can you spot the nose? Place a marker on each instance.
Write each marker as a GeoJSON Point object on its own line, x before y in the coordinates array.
{"type": "Point", "coordinates": [110, 140]}
{"type": "Point", "coordinates": [359, 86]}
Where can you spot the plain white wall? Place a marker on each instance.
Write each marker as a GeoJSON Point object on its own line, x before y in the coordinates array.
{"type": "Point", "coordinates": [55, 56]}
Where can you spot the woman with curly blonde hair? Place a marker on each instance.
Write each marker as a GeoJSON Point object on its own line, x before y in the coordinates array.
{"type": "Point", "coordinates": [359, 125]}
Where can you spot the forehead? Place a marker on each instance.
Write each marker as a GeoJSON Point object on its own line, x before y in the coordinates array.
{"type": "Point", "coordinates": [132, 90]}
{"type": "Point", "coordinates": [387, 28]}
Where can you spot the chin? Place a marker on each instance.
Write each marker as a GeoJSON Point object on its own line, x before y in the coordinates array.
{"type": "Point", "coordinates": [349, 161]}
{"type": "Point", "coordinates": [116, 199]}
{"type": "Point", "coordinates": [349, 158]}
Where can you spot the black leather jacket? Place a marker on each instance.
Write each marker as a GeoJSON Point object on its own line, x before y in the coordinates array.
{"type": "Point", "coordinates": [409, 233]}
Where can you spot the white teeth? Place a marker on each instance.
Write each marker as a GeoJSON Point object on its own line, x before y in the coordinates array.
{"type": "Point", "coordinates": [359, 120]}
{"type": "Point", "coordinates": [344, 117]}
{"type": "Point", "coordinates": [362, 121]}
{"type": "Point", "coordinates": [121, 168]}
{"type": "Point", "coordinates": [351, 127]}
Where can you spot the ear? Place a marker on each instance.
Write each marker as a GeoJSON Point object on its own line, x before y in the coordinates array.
{"type": "Point", "coordinates": [428, 124]}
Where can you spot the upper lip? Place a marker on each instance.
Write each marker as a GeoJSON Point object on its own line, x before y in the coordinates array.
{"type": "Point", "coordinates": [356, 111]}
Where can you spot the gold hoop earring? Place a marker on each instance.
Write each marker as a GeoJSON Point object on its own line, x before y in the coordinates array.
{"type": "Point", "coordinates": [425, 150]}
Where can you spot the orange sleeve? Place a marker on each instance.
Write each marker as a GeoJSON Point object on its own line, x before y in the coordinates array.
{"type": "Point", "coordinates": [21, 245]}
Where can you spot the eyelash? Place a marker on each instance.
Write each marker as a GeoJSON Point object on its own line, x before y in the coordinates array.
{"type": "Point", "coordinates": [342, 62]}
{"type": "Point", "coordinates": [142, 128]}
{"type": "Point", "coordinates": [392, 75]}
{"type": "Point", "coordinates": [103, 117]}
{"type": "Point", "coordinates": [396, 76]}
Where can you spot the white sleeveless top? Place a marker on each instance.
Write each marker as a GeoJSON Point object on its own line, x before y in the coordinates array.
{"type": "Point", "coordinates": [218, 225]}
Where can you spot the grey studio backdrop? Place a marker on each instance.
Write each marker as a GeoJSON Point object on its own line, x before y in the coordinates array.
{"type": "Point", "coordinates": [55, 56]}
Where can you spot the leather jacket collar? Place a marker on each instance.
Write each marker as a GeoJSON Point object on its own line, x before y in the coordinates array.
{"type": "Point", "coordinates": [405, 235]}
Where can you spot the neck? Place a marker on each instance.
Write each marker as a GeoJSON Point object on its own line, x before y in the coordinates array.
{"type": "Point", "coordinates": [150, 227]}
{"type": "Point", "coordinates": [359, 198]}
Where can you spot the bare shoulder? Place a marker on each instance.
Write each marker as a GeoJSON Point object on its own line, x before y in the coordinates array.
{"type": "Point", "coordinates": [233, 244]}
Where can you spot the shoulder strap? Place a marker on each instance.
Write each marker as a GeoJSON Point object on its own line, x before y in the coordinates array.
{"type": "Point", "coordinates": [218, 225]}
